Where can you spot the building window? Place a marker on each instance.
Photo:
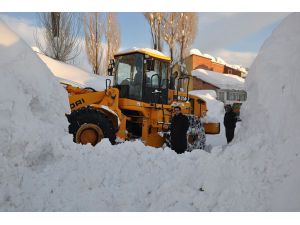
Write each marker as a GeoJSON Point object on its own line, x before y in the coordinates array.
{"type": "Point", "coordinates": [221, 96]}
{"type": "Point", "coordinates": [243, 96]}
{"type": "Point", "coordinates": [236, 95]}
{"type": "Point", "coordinates": [229, 96]}
{"type": "Point", "coordinates": [233, 96]}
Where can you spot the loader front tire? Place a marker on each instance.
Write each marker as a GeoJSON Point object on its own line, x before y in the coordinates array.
{"type": "Point", "coordinates": [88, 125]}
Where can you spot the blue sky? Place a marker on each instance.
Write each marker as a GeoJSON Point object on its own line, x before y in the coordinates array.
{"type": "Point", "coordinates": [235, 37]}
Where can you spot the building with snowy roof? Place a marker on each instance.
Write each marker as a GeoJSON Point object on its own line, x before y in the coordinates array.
{"type": "Point", "coordinates": [213, 73]}
{"type": "Point", "coordinates": [197, 60]}
{"type": "Point", "coordinates": [230, 88]}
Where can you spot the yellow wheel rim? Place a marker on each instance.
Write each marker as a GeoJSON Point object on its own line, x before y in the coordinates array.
{"type": "Point", "coordinates": [89, 133]}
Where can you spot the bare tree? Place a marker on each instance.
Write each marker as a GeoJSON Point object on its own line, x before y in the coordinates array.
{"type": "Point", "coordinates": [59, 38]}
{"type": "Point", "coordinates": [155, 20]}
{"type": "Point", "coordinates": [112, 36]}
{"type": "Point", "coordinates": [187, 27]}
{"type": "Point", "coordinates": [93, 29]}
{"type": "Point", "coordinates": [170, 30]}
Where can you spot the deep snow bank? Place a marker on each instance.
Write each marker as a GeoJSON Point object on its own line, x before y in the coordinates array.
{"type": "Point", "coordinates": [32, 108]}
{"type": "Point", "coordinates": [41, 169]}
{"type": "Point", "coordinates": [31, 103]}
{"type": "Point", "coordinates": [262, 165]}
{"type": "Point", "coordinates": [215, 108]}
{"type": "Point", "coordinates": [215, 114]}
{"type": "Point", "coordinates": [271, 113]}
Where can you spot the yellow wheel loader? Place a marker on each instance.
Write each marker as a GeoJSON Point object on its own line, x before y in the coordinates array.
{"type": "Point", "coordinates": [138, 105]}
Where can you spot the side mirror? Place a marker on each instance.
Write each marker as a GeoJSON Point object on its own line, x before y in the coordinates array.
{"type": "Point", "coordinates": [111, 67]}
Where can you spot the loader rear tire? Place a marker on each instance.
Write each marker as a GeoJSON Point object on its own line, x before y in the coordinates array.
{"type": "Point", "coordinates": [88, 125]}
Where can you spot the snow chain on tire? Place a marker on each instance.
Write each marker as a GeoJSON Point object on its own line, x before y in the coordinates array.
{"type": "Point", "coordinates": [196, 134]}
{"type": "Point", "coordinates": [89, 115]}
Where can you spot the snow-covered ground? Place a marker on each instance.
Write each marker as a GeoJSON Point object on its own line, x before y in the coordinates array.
{"type": "Point", "coordinates": [41, 169]}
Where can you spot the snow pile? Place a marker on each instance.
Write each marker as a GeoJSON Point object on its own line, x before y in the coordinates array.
{"type": "Point", "coordinates": [261, 167]}
{"type": "Point", "coordinates": [220, 80]}
{"type": "Point", "coordinates": [28, 93]}
{"type": "Point", "coordinates": [271, 113]}
{"type": "Point", "coordinates": [73, 75]}
{"type": "Point", "coordinates": [42, 170]}
{"type": "Point", "coordinates": [215, 108]}
{"type": "Point", "coordinates": [215, 113]}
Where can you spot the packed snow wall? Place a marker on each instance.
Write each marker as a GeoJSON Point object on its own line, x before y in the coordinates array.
{"type": "Point", "coordinates": [271, 113]}
{"type": "Point", "coordinates": [32, 104]}
{"type": "Point", "coordinates": [259, 171]}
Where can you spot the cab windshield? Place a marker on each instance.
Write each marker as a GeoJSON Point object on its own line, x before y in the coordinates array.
{"type": "Point", "coordinates": [129, 76]}
{"type": "Point", "coordinates": [142, 78]}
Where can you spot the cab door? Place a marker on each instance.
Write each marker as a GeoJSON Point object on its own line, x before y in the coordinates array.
{"type": "Point", "coordinates": [156, 82]}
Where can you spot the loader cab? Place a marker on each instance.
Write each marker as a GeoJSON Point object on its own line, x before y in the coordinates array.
{"type": "Point", "coordinates": [142, 76]}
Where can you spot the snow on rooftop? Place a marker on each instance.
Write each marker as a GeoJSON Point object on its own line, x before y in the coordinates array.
{"type": "Point", "coordinates": [239, 67]}
{"type": "Point", "coordinates": [222, 81]}
{"type": "Point", "coordinates": [212, 93]}
{"type": "Point", "coordinates": [73, 75]}
{"type": "Point", "coordinates": [221, 61]}
{"type": "Point", "coordinates": [155, 52]}
{"type": "Point", "coordinates": [210, 57]}
{"type": "Point", "coordinates": [195, 51]}
{"type": "Point", "coordinates": [215, 108]}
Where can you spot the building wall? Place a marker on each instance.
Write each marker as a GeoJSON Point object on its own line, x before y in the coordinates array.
{"type": "Point", "coordinates": [199, 62]}
{"type": "Point", "coordinates": [229, 70]}
{"type": "Point", "coordinates": [193, 62]}
{"type": "Point", "coordinates": [199, 84]}
{"type": "Point", "coordinates": [217, 67]}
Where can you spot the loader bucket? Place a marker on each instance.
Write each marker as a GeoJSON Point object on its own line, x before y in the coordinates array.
{"type": "Point", "coordinates": [212, 128]}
